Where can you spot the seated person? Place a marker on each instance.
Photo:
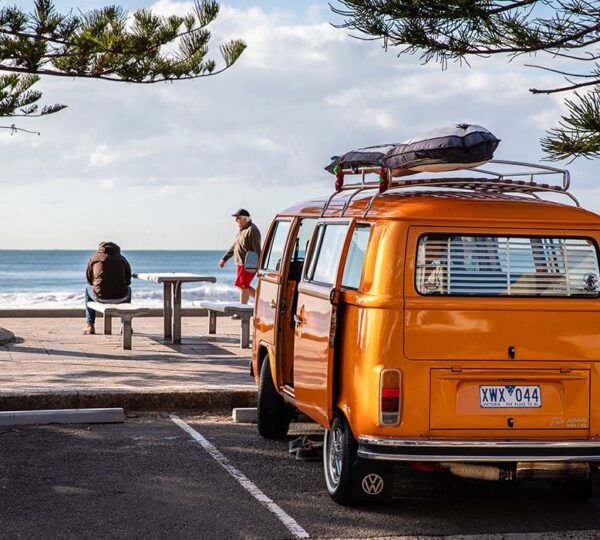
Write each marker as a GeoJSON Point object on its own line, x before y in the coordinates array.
{"type": "Point", "coordinates": [109, 276]}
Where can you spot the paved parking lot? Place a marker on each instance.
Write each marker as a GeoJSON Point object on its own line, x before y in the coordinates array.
{"type": "Point", "coordinates": [148, 478]}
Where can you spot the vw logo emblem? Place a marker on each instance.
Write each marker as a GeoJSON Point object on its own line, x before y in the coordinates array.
{"type": "Point", "coordinates": [372, 484]}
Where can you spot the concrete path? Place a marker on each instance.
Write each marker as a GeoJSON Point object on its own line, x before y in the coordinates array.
{"type": "Point", "coordinates": [52, 362]}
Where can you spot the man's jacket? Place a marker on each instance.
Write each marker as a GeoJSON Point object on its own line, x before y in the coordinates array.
{"type": "Point", "coordinates": [247, 239]}
{"type": "Point", "coordinates": [108, 272]}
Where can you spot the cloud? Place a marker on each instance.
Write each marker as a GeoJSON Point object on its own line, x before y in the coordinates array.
{"type": "Point", "coordinates": [258, 135]}
{"type": "Point", "coordinates": [101, 156]}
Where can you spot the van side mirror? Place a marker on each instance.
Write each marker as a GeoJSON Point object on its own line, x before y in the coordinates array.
{"type": "Point", "coordinates": [251, 261]}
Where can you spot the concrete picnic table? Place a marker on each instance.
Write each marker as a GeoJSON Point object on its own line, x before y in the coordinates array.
{"type": "Point", "coordinates": [172, 282]}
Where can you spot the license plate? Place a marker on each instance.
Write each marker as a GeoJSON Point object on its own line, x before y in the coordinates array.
{"type": "Point", "coordinates": [510, 397]}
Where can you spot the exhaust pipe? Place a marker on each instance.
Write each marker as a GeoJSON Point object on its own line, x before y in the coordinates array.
{"type": "Point", "coordinates": [551, 471]}
{"type": "Point", "coordinates": [523, 470]}
{"type": "Point", "coordinates": [477, 472]}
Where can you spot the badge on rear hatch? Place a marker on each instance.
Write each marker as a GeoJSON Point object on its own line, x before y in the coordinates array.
{"type": "Point", "coordinates": [510, 397]}
{"type": "Point", "coordinates": [591, 282]}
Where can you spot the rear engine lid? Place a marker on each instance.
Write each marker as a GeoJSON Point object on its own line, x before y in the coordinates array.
{"type": "Point", "coordinates": [434, 334]}
{"type": "Point", "coordinates": [512, 400]}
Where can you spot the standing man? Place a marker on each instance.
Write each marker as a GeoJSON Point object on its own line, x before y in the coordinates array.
{"type": "Point", "coordinates": [109, 276]}
{"type": "Point", "coordinates": [247, 239]}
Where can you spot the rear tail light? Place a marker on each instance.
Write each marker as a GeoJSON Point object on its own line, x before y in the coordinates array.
{"type": "Point", "coordinates": [389, 397]}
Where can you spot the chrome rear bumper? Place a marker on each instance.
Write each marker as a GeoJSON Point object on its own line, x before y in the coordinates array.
{"type": "Point", "coordinates": [477, 450]}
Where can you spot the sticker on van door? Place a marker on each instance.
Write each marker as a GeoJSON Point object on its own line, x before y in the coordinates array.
{"type": "Point", "coordinates": [510, 397]}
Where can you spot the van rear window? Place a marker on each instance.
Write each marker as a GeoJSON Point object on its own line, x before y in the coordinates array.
{"type": "Point", "coordinates": [460, 265]}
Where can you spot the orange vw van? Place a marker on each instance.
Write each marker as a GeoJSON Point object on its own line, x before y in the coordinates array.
{"type": "Point", "coordinates": [448, 324]}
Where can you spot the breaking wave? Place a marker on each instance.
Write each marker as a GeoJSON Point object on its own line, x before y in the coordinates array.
{"type": "Point", "coordinates": [144, 297]}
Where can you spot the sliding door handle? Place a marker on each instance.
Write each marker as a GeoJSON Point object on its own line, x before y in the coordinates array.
{"type": "Point", "coordinates": [299, 319]}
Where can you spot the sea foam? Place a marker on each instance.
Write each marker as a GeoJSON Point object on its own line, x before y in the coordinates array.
{"type": "Point", "coordinates": [144, 297]}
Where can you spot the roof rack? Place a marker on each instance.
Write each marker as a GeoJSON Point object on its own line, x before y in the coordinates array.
{"type": "Point", "coordinates": [490, 179]}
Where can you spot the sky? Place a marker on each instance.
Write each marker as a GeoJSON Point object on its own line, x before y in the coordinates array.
{"type": "Point", "coordinates": [164, 166]}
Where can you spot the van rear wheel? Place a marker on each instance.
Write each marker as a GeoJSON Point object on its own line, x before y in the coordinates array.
{"type": "Point", "coordinates": [273, 413]}
{"type": "Point", "coordinates": [339, 455]}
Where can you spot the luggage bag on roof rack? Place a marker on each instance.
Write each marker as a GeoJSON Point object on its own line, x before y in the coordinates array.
{"type": "Point", "coordinates": [460, 146]}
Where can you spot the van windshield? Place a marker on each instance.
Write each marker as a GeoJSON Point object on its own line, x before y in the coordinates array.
{"type": "Point", "coordinates": [507, 265]}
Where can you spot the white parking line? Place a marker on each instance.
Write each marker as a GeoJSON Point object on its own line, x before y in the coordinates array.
{"type": "Point", "coordinates": [560, 535]}
{"type": "Point", "coordinates": [292, 525]}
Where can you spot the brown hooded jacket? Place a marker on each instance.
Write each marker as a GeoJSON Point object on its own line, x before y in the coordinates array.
{"type": "Point", "coordinates": [109, 272]}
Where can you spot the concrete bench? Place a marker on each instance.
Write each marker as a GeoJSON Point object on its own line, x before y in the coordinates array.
{"type": "Point", "coordinates": [244, 311]}
{"type": "Point", "coordinates": [125, 312]}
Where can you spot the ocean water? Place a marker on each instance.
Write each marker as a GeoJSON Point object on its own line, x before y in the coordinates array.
{"type": "Point", "coordinates": [53, 279]}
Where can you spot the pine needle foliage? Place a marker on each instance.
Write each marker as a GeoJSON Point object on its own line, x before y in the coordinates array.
{"type": "Point", "coordinates": [578, 133]}
{"type": "Point", "coordinates": [564, 32]}
{"type": "Point", "coordinates": [17, 98]}
{"type": "Point", "coordinates": [109, 44]}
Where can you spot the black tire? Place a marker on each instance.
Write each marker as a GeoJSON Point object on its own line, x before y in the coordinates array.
{"type": "Point", "coordinates": [339, 456]}
{"type": "Point", "coordinates": [273, 413]}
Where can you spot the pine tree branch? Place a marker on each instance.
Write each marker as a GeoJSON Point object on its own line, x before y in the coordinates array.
{"type": "Point", "coordinates": [561, 72]}
{"type": "Point", "coordinates": [14, 129]}
{"type": "Point", "coordinates": [107, 44]}
{"type": "Point", "coordinates": [55, 73]}
{"type": "Point", "coordinates": [511, 7]}
{"type": "Point", "coordinates": [565, 88]}
{"type": "Point", "coordinates": [578, 132]}
{"type": "Point", "coordinates": [590, 58]}
{"type": "Point", "coordinates": [34, 37]}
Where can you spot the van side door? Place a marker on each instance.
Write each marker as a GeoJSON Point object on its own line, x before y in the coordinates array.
{"type": "Point", "coordinates": [316, 317]}
{"type": "Point", "coordinates": [270, 276]}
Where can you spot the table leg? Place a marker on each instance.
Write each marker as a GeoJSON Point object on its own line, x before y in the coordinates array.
{"type": "Point", "coordinates": [212, 322]}
{"type": "Point", "coordinates": [127, 332]}
{"type": "Point", "coordinates": [245, 335]}
{"type": "Point", "coordinates": [177, 312]}
{"type": "Point", "coordinates": [168, 311]}
{"type": "Point", "coordinates": [107, 325]}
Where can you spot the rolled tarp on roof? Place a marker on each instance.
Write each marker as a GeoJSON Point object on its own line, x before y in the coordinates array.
{"type": "Point", "coordinates": [460, 146]}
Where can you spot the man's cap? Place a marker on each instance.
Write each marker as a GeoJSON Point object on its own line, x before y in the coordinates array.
{"type": "Point", "coordinates": [241, 212]}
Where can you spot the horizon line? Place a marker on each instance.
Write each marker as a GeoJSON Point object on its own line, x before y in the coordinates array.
{"type": "Point", "coordinates": [95, 249]}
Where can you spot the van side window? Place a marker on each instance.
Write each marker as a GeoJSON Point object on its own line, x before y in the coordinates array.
{"type": "Point", "coordinates": [274, 253]}
{"type": "Point", "coordinates": [326, 253]}
{"type": "Point", "coordinates": [307, 227]}
{"type": "Point", "coordinates": [300, 247]}
{"type": "Point", "coordinates": [356, 256]}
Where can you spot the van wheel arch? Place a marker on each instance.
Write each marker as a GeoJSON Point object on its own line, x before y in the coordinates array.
{"type": "Point", "coordinates": [262, 353]}
{"type": "Point", "coordinates": [336, 407]}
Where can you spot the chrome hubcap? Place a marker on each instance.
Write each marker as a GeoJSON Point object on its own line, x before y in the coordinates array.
{"type": "Point", "coordinates": [335, 454]}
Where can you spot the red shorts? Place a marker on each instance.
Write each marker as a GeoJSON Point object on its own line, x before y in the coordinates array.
{"type": "Point", "coordinates": [244, 278]}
